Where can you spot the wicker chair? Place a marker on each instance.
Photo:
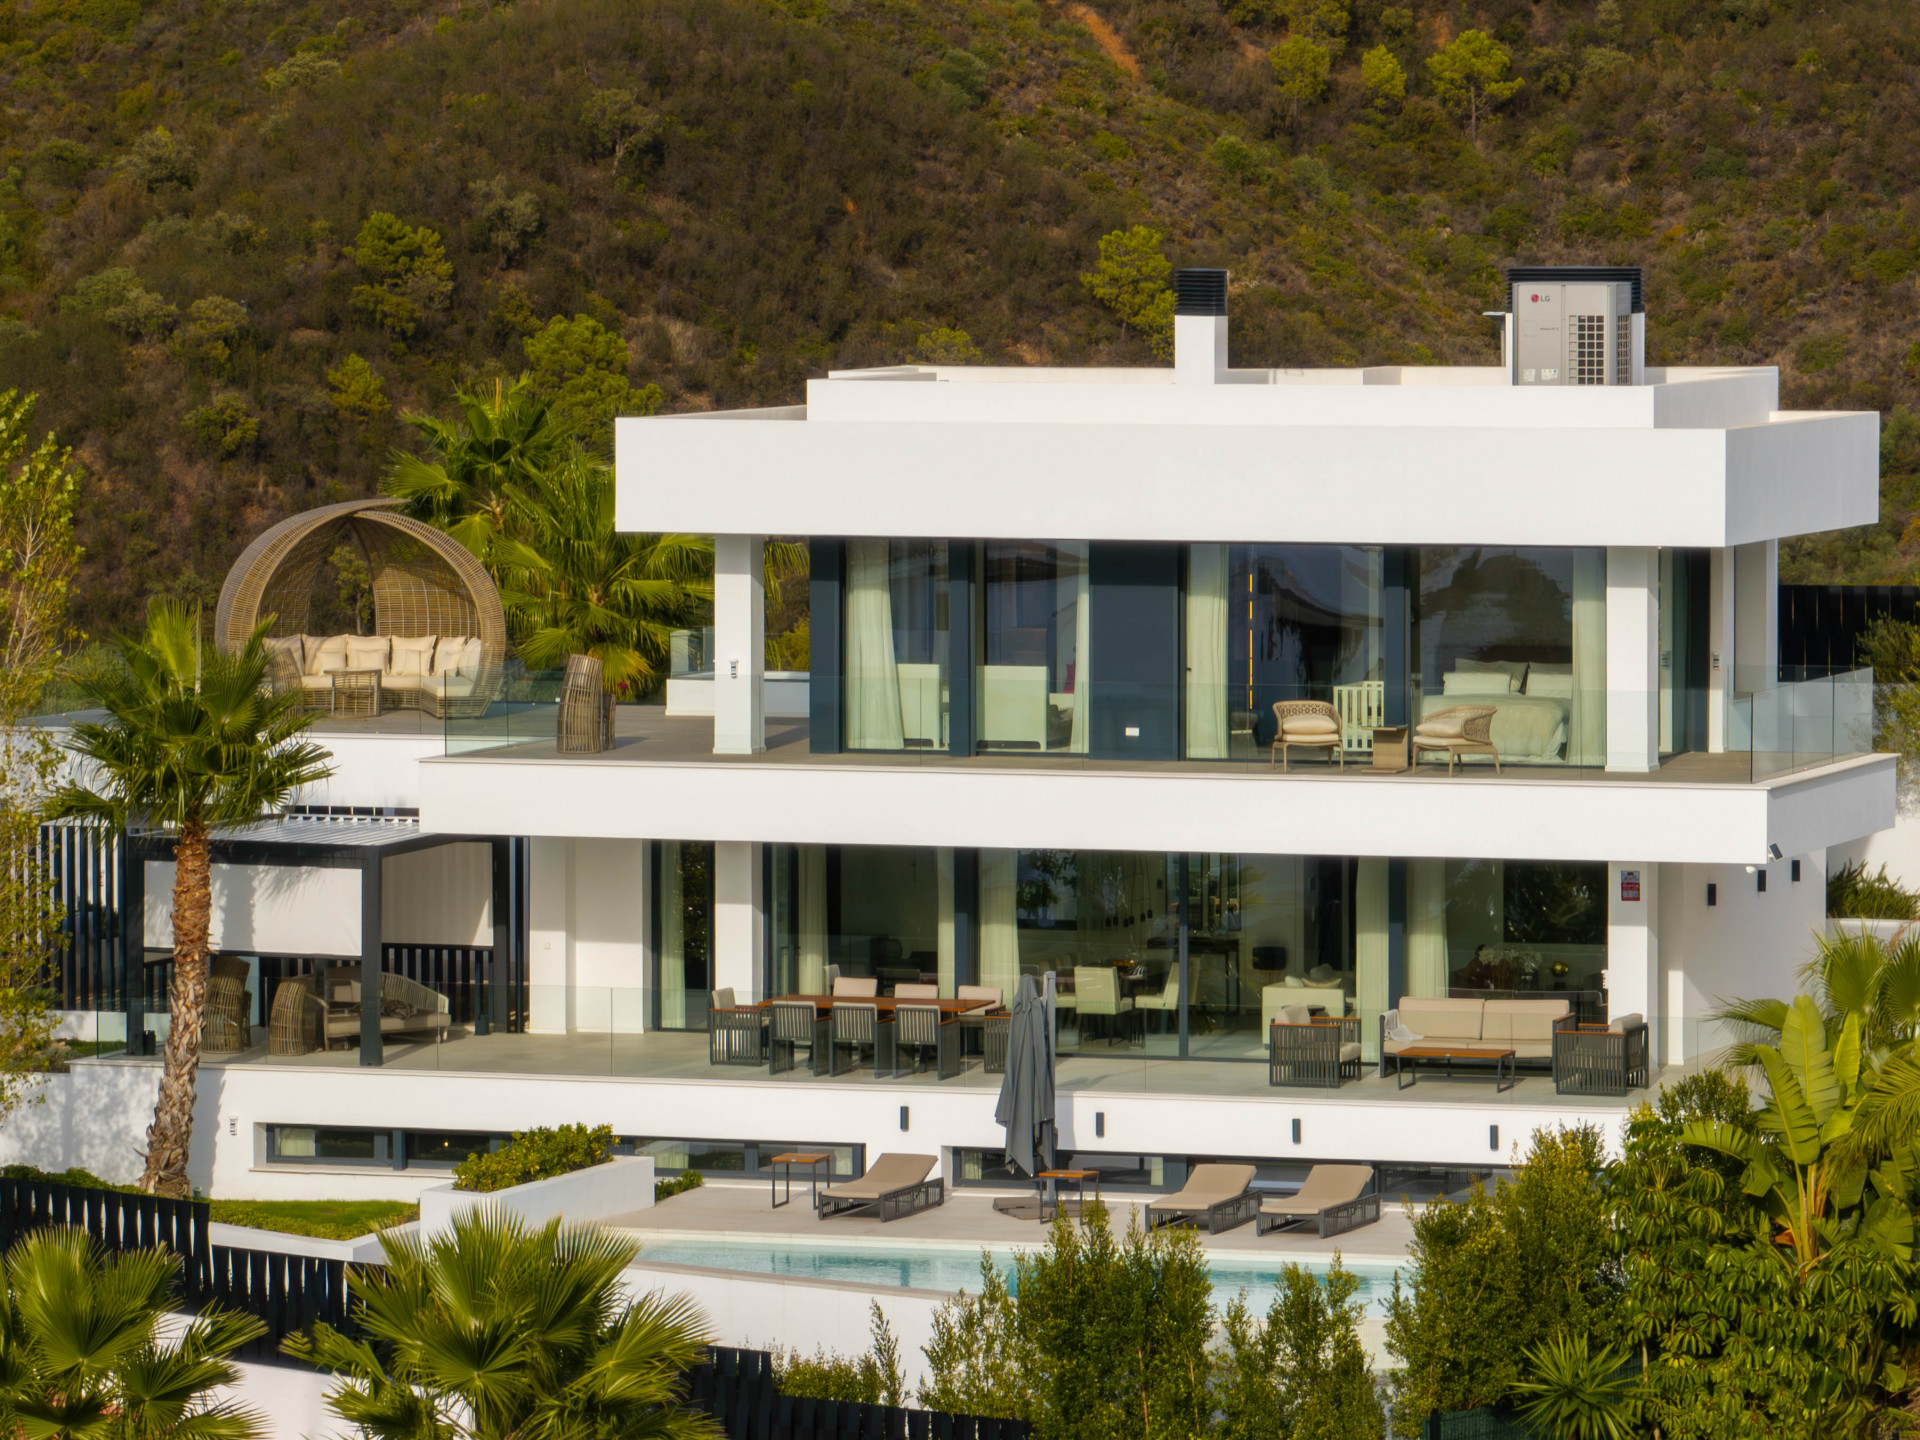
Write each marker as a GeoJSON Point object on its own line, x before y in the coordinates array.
{"type": "Point", "coordinates": [1295, 711]}
{"type": "Point", "coordinates": [229, 1002]}
{"type": "Point", "coordinates": [424, 583]}
{"type": "Point", "coordinates": [298, 1023]}
{"type": "Point", "coordinates": [1475, 737]}
{"type": "Point", "coordinates": [586, 709]}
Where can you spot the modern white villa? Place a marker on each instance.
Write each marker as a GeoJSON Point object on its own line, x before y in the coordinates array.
{"type": "Point", "coordinates": [1367, 765]}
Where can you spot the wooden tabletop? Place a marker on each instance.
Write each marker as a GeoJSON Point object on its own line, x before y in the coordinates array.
{"type": "Point", "coordinates": [1454, 1052]}
{"type": "Point", "coordinates": [885, 1003]}
{"type": "Point", "coordinates": [801, 1157]}
{"type": "Point", "coordinates": [1068, 1174]}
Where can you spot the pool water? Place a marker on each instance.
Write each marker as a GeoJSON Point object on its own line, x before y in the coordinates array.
{"type": "Point", "coordinates": [930, 1267]}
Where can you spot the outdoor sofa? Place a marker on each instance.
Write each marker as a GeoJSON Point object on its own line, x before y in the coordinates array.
{"type": "Point", "coordinates": [1333, 1197]}
{"type": "Point", "coordinates": [1215, 1194]}
{"type": "Point", "coordinates": [894, 1185]}
{"type": "Point", "coordinates": [1526, 1027]}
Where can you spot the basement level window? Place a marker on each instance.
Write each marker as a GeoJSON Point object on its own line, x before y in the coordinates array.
{"type": "Point", "coordinates": [305, 1145]}
{"type": "Point", "coordinates": [722, 1159]}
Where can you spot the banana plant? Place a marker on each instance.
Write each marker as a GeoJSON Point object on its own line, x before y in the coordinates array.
{"type": "Point", "coordinates": [1817, 1188]}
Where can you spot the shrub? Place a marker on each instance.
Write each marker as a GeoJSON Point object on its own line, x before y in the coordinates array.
{"type": "Point", "coordinates": [1852, 894]}
{"type": "Point", "coordinates": [225, 425]}
{"type": "Point", "coordinates": [677, 1185]}
{"type": "Point", "coordinates": [206, 339]}
{"type": "Point", "coordinates": [875, 1378]}
{"type": "Point", "coordinates": [159, 161]}
{"type": "Point", "coordinates": [537, 1154]}
{"type": "Point", "coordinates": [408, 273]}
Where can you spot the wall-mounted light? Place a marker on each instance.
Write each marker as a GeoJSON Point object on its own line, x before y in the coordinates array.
{"type": "Point", "coordinates": [1493, 1137]}
{"type": "Point", "coordinates": [1763, 882]}
{"type": "Point", "coordinates": [1713, 894]}
{"type": "Point", "coordinates": [903, 1117]}
{"type": "Point", "coordinates": [1296, 1132]}
{"type": "Point", "coordinates": [1795, 875]}
{"type": "Point", "coordinates": [1099, 1124]}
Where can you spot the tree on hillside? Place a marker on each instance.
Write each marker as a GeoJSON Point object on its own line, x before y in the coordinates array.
{"type": "Point", "coordinates": [1300, 69]}
{"type": "Point", "coordinates": [615, 121]}
{"type": "Point", "coordinates": [38, 557]}
{"type": "Point", "coordinates": [408, 274]}
{"type": "Point", "coordinates": [1469, 76]}
{"type": "Point", "coordinates": [497, 1330]}
{"type": "Point", "coordinates": [1131, 280]}
{"type": "Point", "coordinates": [580, 368]}
{"type": "Point", "coordinates": [461, 484]}
{"type": "Point", "coordinates": [1381, 73]}
{"type": "Point", "coordinates": [194, 740]}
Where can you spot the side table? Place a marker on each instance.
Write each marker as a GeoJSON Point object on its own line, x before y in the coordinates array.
{"type": "Point", "coordinates": [1051, 1181]}
{"type": "Point", "coordinates": [812, 1159]}
{"type": "Point", "coordinates": [356, 692]}
{"type": "Point", "coordinates": [1390, 749]}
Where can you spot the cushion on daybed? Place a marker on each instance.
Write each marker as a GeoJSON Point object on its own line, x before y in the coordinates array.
{"type": "Point", "coordinates": [367, 652]}
{"type": "Point", "coordinates": [446, 655]}
{"type": "Point", "coordinates": [327, 656]}
{"type": "Point", "coordinates": [412, 656]}
{"type": "Point", "coordinates": [293, 648]}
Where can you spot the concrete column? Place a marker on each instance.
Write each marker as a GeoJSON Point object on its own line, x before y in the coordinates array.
{"type": "Point", "coordinates": [1756, 620]}
{"type": "Point", "coordinates": [1633, 941]}
{"type": "Point", "coordinates": [1720, 713]}
{"type": "Point", "coordinates": [739, 644]}
{"type": "Point", "coordinates": [739, 920]}
{"type": "Point", "coordinates": [550, 932]}
{"type": "Point", "coordinates": [1633, 658]}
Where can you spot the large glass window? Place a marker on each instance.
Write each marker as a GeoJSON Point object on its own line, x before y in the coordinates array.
{"type": "Point", "coordinates": [683, 934]}
{"type": "Point", "coordinates": [1035, 613]}
{"type": "Point", "coordinates": [869, 910]}
{"type": "Point", "coordinates": [1272, 623]}
{"type": "Point", "coordinates": [1521, 633]}
{"type": "Point", "coordinates": [1508, 928]}
{"type": "Point", "coordinates": [896, 645]}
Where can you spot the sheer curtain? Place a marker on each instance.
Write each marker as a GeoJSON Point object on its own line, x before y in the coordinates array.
{"type": "Point", "coordinates": [873, 683]}
{"type": "Point", "coordinates": [1082, 651]}
{"type": "Point", "coordinates": [1587, 725]}
{"type": "Point", "coordinates": [943, 862]}
{"type": "Point", "coordinates": [1427, 973]}
{"type": "Point", "coordinates": [999, 933]}
{"type": "Point", "coordinates": [813, 919]}
{"type": "Point", "coordinates": [1370, 953]}
{"type": "Point", "coordinates": [1207, 652]}
{"type": "Point", "coordinates": [673, 940]}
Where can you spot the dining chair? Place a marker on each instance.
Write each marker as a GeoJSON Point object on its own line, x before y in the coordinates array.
{"type": "Point", "coordinates": [920, 1029]}
{"type": "Point", "coordinates": [859, 1028]}
{"type": "Point", "coordinates": [859, 987]}
{"type": "Point", "coordinates": [794, 1023]}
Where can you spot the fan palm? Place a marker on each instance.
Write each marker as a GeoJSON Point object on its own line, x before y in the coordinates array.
{"type": "Point", "coordinates": [462, 485]}
{"type": "Point", "coordinates": [573, 585]}
{"type": "Point", "coordinates": [81, 1354]}
{"type": "Point", "coordinates": [495, 1329]}
{"type": "Point", "coordinates": [1852, 973]}
{"type": "Point", "coordinates": [194, 740]}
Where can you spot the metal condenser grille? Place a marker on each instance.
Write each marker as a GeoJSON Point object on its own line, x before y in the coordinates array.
{"type": "Point", "coordinates": [1587, 343]}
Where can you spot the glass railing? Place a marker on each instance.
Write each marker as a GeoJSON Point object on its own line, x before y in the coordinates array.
{"type": "Point", "coordinates": [1808, 717]}
{"type": "Point", "coordinates": [690, 652]}
{"type": "Point", "coordinates": [522, 709]}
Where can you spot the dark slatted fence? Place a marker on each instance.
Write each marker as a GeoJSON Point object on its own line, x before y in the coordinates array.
{"type": "Point", "coordinates": [1821, 625]}
{"type": "Point", "coordinates": [287, 1292]}
{"type": "Point", "coordinates": [736, 1388]}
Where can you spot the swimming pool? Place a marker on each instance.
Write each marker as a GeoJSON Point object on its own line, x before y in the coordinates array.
{"type": "Point", "coordinates": [953, 1267]}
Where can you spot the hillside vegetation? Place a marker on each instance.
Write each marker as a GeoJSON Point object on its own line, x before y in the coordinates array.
{"type": "Point", "coordinates": [239, 241]}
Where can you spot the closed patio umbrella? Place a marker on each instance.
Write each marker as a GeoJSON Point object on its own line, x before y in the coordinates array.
{"type": "Point", "coordinates": [1026, 1090]}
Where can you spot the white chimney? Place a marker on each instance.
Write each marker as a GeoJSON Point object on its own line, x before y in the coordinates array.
{"type": "Point", "coordinates": [1199, 326]}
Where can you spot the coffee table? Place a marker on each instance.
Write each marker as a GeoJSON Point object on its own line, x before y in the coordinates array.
{"type": "Point", "coordinates": [1503, 1062]}
{"type": "Point", "coordinates": [356, 692]}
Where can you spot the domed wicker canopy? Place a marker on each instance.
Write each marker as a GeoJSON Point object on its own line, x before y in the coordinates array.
{"type": "Point", "coordinates": [424, 583]}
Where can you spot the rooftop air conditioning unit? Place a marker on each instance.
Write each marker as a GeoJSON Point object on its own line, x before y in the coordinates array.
{"type": "Point", "coordinates": [1575, 325]}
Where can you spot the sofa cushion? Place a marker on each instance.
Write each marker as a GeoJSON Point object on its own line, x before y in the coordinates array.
{"type": "Point", "coordinates": [1295, 1015]}
{"type": "Point", "coordinates": [367, 652]}
{"type": "Point", "coordinates": [1311, 725]}
{"type": "Point", "coordinates": [328, 656]}
{"type": "Point", "coordinates": [292, 648]}
{"type": "Point", "coordinates": [1442, 1019]}
{"type": "Point", "coordinates": [446, 685]}
{"type": "Point", "coordinates": [1522, 1019]}
{"type": "Point", "coordinates": [446, 655]}
{"type": "Point", "coordinates": [1349, 1051]}
{"type": "Point", "coordinates": [1623, 1023]}
{"type": "Point", "coordinates": [1531, 1049]}
{"type": "Point", "coordinates": [412, 656]}
{"type": "Point", "coordinates": [470, 655]}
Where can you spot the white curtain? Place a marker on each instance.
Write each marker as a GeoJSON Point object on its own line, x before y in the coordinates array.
{"type": "Point", "coordinates": [1207, 652]}
{"type": "Point", "coordinates": [1082, 652]}
{"type": "Point", "coordinates": [943, 861]}
{"type": "Point", "coordinates": [812, 978]}
{"type": "Point", "coordinates": [873, 683]}
{"type": "Point", "coordinates": [999, 934]}
{"type": "Point", "coordinates": [673, 940]}
{"type": "Point", "coordinates": [1587, 724]}
{"type": "Point", "coordinates": [1427, 928]}
{"type": "Point", "coordinates": [1370, 953]}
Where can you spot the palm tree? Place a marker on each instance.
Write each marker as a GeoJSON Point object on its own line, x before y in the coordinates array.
{"type": "Point", "coordinates": [81, 1353]}
{"type": "Point", "coordinates": [1852, 973]}
{"type": "Point", "coordinates": [495, 1329]}
{"type": "Point", "coordinates": [462, 484]}
{"type": "Point", "coordinates": [194, 740]}
{"type": "Point", "coordinates": [573, 585]}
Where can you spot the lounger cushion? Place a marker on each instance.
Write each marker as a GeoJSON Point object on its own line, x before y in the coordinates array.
{"type": "Point", "coordinates": [889, 1173]}
{"type": "Point", "coordinates": [1325, 1185]}
{"type": "Point", "coordinates": [1207, 1185]}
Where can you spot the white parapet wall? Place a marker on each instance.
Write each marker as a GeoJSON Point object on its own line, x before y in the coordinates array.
{"type": "Point", "coordinates": [784, 692]}
{"type": "Point", "coordinates": [579, 1197]}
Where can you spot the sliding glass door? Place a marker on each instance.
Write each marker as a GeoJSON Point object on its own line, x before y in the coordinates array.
{"type": "Point", "coordinates": [895, 645]}
{"type": "Point", "coordinates": [1036, 610]}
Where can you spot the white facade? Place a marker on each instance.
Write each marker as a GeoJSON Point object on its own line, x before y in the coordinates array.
{"type": "Point", "coordinates": [1696, 460]}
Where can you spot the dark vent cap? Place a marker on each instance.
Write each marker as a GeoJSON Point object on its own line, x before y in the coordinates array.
{"type": "Point", "coordinates": [1577, 275]}
{"type": "Point", "coordinates": [1199, 292]}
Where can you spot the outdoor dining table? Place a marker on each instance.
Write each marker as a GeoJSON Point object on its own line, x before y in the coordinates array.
{"type": "Point", "coordinates": [823, 1004]}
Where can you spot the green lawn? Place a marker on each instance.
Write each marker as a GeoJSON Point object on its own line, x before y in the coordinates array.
{"type": "Point", "coordinates": [323, 1219]}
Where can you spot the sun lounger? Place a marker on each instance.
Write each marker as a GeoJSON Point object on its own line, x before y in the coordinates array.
{"type": "Point", "coordinates": [896, 1185]}
{"type": "Point", "coordinates": [1217, 1194]}
{"type": "Point", "coordinates": [1333, 1197]}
